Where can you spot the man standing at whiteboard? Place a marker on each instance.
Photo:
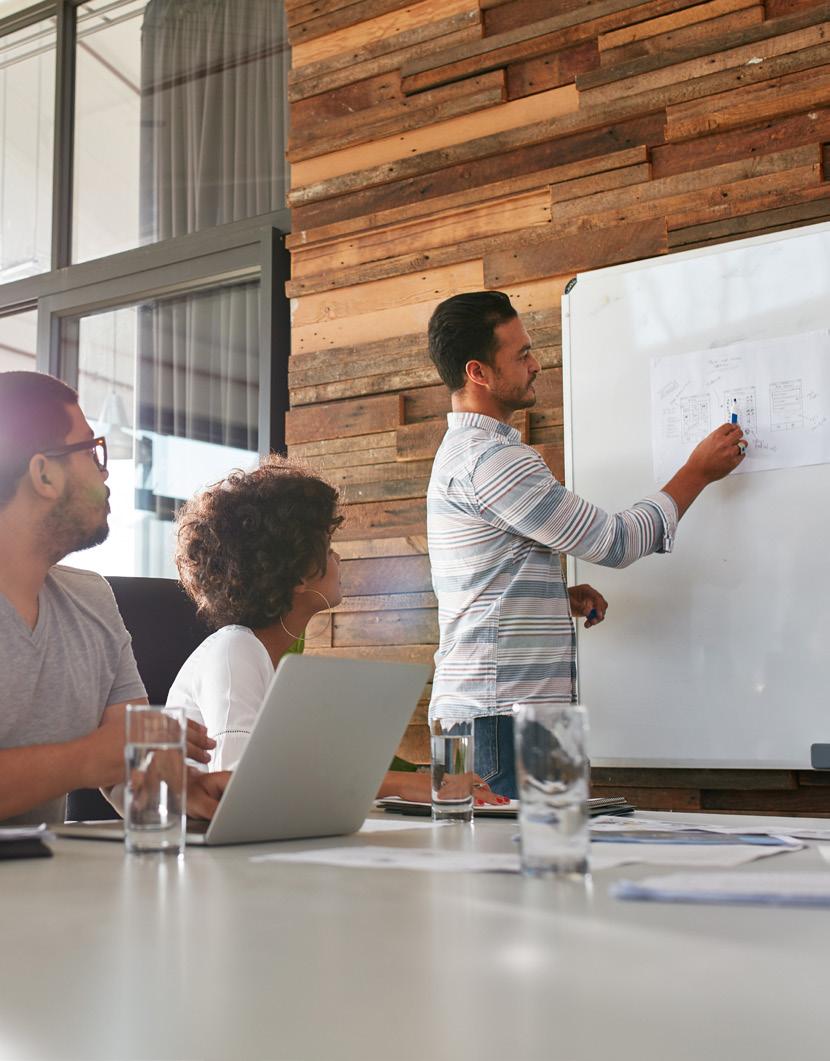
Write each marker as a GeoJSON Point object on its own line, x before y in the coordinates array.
{"type": "Point", "coordinates": [498, 521]}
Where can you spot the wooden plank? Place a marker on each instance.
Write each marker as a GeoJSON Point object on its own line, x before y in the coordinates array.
{"type": "Point", "coordinates": [744, 106]}
{"type": "Point", "coordinates": [685, 36]}
{"type": "Point", "coordinates": [400, 353]}
{"type": "Point", "coordinates": [525, 42]}
{"type": "Point", "coordinates": [307, 114]}
{"type": "Point", "coordinates": [554, 456]}
{"type": "Point", "coordinates": [653, 777]}
{"type": "Point", "coordinates": [417, 442]}
{"type": "Point", "coordinates": [753, 224]}
{"type": "Point", "coordinates": [418, 626]}
{"type": "Point", "coordinates": [734, 49]}
{"type": "Point", "coordinates": [360, 24]}
{"type": "Point", "coordinates": [384, 519]}
{"type": "Point", "coordinates": [500, 16]}
{"type": "Point", "coordinates": [390, 293]}
{"type": "Point", "coordinates": [359, 417]}
{"type": "Point", "coordinates": [373, 473]}
{"type": "Point", "coordinates": [548, 71]}
{"type": "Point", "coordinates": [342, 70]}
{"type": "Point", "coordinates": [299, 11]}
{"type": "Point", "coordinates": [658, 27]}
{"type": "Point", "coordinates": [397, 115]}
{"type": "Point", "coordinates": [809, 128]}
{"type": "Point", "coordinates": [328, 465]}
{"type": "Point", "coordinates": [810, 802]}
{"type": "Point", "coordinates": [744, 197]}
{"type": "Point", "coordinates": [626, 200]}
{"type": "Point", "coordinates": [676, 799]}
{"type": "Point", "coordinates": [368, 163]}
{"type": "Point", "coordinates": [392, 653]}
{"type": "Point", "coordinates": [347, 324]}
{"type": "Point", "coordinates": [542, 146]}
{"type": "Point", "coordinates": [387, 602]}
{"type": "Point", "coordinates": [780, 8]}
{"type": "Point", "coordinates": [378, 243]}
{"type": "Point", "coordinates": [371, 547]}
{"type": "Point", "coordinates": [377, 576]}
{"type": "Point", "coordinates": [386, 490]}
{"type": "Point", "coordinates": [352, 444]}
{"type": "Point", "coordinates": [423, 375]}
{"type": "Point", "coordinates": [492, 193]}
{"type": "Point", "coordinates": [572, 254]}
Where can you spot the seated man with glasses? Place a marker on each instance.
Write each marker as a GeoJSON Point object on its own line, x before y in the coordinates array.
{"type": "Point", "coordinates": [65, 656]}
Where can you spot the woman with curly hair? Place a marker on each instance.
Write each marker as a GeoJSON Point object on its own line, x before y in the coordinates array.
{"type": "Point", "coordinates": [254, 554]}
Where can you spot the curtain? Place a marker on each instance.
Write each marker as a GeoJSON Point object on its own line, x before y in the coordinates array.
{"type": "Point", "coordinates": [212, 152]}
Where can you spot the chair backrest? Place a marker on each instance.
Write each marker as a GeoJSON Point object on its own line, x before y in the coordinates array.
{"type": "Point", "coordinates": [164, 627]}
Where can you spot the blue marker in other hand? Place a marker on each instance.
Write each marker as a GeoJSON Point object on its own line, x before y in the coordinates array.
{"type": "Point", "coordinates": [592, 614]}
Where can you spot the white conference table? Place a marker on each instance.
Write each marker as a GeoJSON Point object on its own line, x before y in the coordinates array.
{"type": "Point", "coordinates": [105, 956]}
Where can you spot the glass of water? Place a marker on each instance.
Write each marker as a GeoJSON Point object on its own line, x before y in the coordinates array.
{"type": "Point", "coordinates": [452, 770]}
{"type": "Point", "coordinates": [552, 772]}
{"type": "Point", "coordinates": [156, 789]}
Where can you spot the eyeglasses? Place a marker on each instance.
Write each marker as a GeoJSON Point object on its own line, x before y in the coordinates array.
{"type": "Point", "coordinates": [97, 445]}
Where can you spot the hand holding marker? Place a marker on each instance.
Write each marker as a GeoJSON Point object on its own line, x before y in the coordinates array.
{"type": "Point", "coordinates": [733, 419]}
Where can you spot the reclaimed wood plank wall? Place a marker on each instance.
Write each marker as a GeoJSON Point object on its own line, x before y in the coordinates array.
{"type": "Point", "coordinates": [448, 145]}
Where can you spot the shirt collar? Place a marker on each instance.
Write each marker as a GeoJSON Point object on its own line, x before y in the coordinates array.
{"type": "Point", "coordinates": [484, 423]}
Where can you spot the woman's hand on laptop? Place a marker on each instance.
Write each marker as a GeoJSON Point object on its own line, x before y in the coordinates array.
{"type": "Point", "coordinates": [199, 744]}
{"type": "Point", "coordinates": [204, 792]}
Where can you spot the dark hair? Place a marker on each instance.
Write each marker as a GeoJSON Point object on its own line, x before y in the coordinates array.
{"type": "Point", "coordinates": [462, 329]}
{"type": "Point", "coordinates": [247, 542]}
{"type": "Point", "coordinates": [34, 416]}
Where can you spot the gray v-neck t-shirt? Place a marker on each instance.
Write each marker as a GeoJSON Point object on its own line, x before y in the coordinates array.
{"type": "Point", "coordinates": [56, 680]}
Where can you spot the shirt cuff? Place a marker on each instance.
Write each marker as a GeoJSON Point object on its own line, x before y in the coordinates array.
{"type": "Point", "coordinates": [665, 505]}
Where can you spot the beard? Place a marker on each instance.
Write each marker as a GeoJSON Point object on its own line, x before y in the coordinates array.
{"type": "Point", "coordinates": [515, 398]}
{"type": "Point", "coordinates": [70, 526]}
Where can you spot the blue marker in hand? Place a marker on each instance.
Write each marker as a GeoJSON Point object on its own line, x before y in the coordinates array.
{"type": "Point", "coordinates": [733, 419]}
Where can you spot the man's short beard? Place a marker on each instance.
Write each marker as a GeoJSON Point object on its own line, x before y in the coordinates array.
{"type": "Point", "coordinates": [64, 533]}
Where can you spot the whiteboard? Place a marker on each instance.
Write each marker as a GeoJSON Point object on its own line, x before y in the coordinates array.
{"type": "Point", "coordinates": [719, 653]}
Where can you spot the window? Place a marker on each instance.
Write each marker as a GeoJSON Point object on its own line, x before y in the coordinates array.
{"type": "Point", "coordinates": [27, 124]}
{"type": "Point", "coordinates": [161, 148]}
{"type": "Point", "coordinates": [174, 386]}
{"type": "Point", "coordinates": [18, 335]}
{"type": "Point", "coordinates": [142, 189]}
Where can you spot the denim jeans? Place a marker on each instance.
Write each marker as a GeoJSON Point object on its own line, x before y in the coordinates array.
{"type": "Point", "coordinates": [494, 758]}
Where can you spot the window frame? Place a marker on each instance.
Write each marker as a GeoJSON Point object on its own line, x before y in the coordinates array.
{"type": "Point", "coordinates": [251, 249]}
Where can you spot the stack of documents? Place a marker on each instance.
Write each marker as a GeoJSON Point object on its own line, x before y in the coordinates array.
{"type": "Point", "coordinates": [769, 889]}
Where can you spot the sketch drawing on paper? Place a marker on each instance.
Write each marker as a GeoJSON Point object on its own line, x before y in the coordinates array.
{"type": "Point", "coordinates": [779, 387]}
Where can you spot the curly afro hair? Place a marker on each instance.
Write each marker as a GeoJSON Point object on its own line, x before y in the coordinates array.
{"type": "Point", "coordinates": [244, 544]}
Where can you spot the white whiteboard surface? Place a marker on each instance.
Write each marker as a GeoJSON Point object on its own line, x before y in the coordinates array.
{"type": "Point", "coordinates": [718, 654]}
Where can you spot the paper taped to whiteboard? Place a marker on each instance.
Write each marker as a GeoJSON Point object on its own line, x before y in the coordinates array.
{"type": "Point", "coordinates": [780, 388]}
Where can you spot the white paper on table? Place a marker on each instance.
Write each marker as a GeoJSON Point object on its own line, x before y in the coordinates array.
{"type": "Point", "coordinates": [392, 825]}
{"type": "Point", "coordinates": [400, 858]}
{"type": "Point", "coordinates": [603, 856]}
{"type": "Point", "coordinates": [782, 387]}
{"type": "Point", "coordinates": [722, 856]}
{"type": "Point", "coordinates": [618, 823]}
{"type": "Point", "coordinates": [773, 889]}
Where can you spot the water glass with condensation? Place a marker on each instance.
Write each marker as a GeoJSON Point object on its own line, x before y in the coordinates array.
{"type": "Point", "coordinates": [156, 788]}
{"type": "Point", "coordinates": [453, 774]}
{"type": "Point", "coordinates": [552, 771]}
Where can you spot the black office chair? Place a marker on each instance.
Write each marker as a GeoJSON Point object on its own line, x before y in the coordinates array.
{"type": "Point", "coordinates": [162, 621]}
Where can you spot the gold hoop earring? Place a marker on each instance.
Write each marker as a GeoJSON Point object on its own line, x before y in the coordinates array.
{"type": "Point", "coordinates": [296, 637]}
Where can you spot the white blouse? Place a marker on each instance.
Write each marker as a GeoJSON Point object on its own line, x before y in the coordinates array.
{"type": "Point", "coordinates": [222, 685]}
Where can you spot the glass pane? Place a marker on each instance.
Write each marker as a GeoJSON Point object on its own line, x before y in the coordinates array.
{"type": "Point", "coordinates": [174, 385]}
{"type": "Point", "coordinates": [179, 118]}
{"type": "Point", "coordinates": [18, 342]}
{"type": "Point", "coordinates": [27, 105]}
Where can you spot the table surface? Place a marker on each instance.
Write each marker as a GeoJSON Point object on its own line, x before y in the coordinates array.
{"type": "Point", "coordinates": [107, 956]}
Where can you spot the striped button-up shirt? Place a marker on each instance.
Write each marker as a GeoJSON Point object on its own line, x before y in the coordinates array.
{"type": "Point", "coordinates": [497, 522]}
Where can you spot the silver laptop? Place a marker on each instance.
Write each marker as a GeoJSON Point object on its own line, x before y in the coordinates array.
{"type": "Point", "coordinates": [322, 741]}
